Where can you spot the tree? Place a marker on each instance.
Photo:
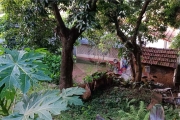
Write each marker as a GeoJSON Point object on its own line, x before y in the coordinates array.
{"type": "Point", "coordinates": [172, 13]}
{"type": "Point", "coordinates": [81, 15]}
{"type": "Point", "coordinates": [173, 19]}
{"type": "Point", "coordinates": [28, 24]}
{"type": "Point", "coordinates": [176, 42]}
{"type": "Point", "coordinates": [134, 22]}
{"type": "Point", "coordinates": [131, 19]}
{"type": "Point", "coordinates": [34, 15]}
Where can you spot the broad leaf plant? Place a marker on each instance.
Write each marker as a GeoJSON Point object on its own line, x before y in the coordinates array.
{"type": "Point", "coordinates": [19, 69]}
{"type": "Point", "coordinates": [41, 105]}
{"type": "Point", "coordinates": [22, 70]}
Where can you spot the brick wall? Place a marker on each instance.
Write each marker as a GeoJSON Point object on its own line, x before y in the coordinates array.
{"type": "Point", "coordinates": [164, 74]}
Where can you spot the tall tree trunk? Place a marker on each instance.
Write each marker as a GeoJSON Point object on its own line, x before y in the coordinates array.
{"type": "Point", "coordinates": [68, 37]}
{"type": "Point", "coordinates": [66, 64]}
{"type": "Point", "coordinates": [138, 68]}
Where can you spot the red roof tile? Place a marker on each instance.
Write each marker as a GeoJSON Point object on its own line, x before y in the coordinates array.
{"type": "Point", "coordinates": [162, 57]}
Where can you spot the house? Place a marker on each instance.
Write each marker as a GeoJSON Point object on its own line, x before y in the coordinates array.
{"type": "Point", "coordinates": [163, 64]}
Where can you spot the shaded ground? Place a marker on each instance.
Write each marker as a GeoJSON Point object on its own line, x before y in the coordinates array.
{"type": "Point", "coordinates": [80, 70]}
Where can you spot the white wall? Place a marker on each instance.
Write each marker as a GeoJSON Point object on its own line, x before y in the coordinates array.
{"type": "Point", "coordinates": [166, 42]}
{"type": "Point", "coordinates": [159, 44]}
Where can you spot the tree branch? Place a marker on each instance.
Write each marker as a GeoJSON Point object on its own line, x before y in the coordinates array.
{"type": "Point", "coordinates": [120, 34]}
{"type": "Point", "coordinates": [76, 32]}
{"type": "Point", "coordinates": [61, 26]}
{"type": "Point", "coordinates": [138, 23]}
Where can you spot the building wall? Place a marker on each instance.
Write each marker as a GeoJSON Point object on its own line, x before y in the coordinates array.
{"type": "Point", "coordinates": [164, 75]}
{"type": "Point", "coordinates": [93, 53]}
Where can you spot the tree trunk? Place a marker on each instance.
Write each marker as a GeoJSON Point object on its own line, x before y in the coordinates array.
{"type": "Point", "coordinates": [138, 72]}
{"type": "Point", "coordinates": [66, 64]}
{"type": "Point", "coordinates": [132, 63]}
{"type": "Point", "coordinates": [68, 37]}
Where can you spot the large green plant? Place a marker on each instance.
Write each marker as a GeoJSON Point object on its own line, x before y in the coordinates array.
{"type": "Point", "coordinates": [19, 70]}
{"type": "Point", "coordinates": [41, 105]}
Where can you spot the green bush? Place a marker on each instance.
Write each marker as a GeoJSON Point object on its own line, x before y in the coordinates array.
{"type": "Point", "coordinates": [53, 62]}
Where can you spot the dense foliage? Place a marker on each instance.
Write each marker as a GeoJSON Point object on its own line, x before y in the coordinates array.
{"type": "Point", "coordinates": [116, 103]}
{"type": "Point", "coordinates": [28, 24]}
{"type": "Point", "coordinates": [172, 13]}
{"type": "Point", "coordinates": [53, 62]}
{"type": "Point", "coordinates": [176, 42]}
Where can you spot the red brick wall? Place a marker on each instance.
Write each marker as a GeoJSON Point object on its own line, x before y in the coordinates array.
{"type": "Point", "coordinates": [164, 75]}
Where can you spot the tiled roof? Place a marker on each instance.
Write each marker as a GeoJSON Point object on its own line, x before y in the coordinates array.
{"type": "Point", "coordinates": [162, 57]}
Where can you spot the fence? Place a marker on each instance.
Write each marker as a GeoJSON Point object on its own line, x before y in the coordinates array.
{"type": "Point", "coordinates": [92, 52]}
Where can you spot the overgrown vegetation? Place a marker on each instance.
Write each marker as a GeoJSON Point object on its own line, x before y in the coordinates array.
{"type": "Point", "coordinates": [20, 71]}
{"type": "Point", "coordinates": [31, 23]}
{"type": "Point", "coordinates": [53, 63]}
{"type": "Point", "coordinates": [116, 103]}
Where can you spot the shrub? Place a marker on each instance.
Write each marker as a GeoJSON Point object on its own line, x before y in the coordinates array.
{"type": "Point", "coordinates": [139, 113]}
{"type": "Point", "coordinates": [53, 62]}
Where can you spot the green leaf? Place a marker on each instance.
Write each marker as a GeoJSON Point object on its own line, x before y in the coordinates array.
{"type": "Point", "coordinates": [72, 91]}
{"type": "Point", "coordinates": [8, 94]}
{"type": "Point", "coordinates": [14, 117]}
{"type": "Point", "coordinates": [18, 69]}
{"type": "Point", "coordinates": [43, 104]}
{"type": "Point", "coordinates": [25, 83]}
{"type": "Point", "coordinates": [40, 76]}
{"type": "Point", "coordinates": [67, 95]}
{"type": "Point", "coordinates": [74, 100]}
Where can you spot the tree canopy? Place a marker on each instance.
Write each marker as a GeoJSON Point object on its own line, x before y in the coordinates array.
{"type": "Point", "coordinates": [133, 21]}
{"type": "Point", "coordinates": [28, 24]}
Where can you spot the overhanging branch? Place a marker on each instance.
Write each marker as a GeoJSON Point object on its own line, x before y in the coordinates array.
{"type": "Point", "coordinates": [74, 30]}
{"type": "Point", "coordinates": [61, 26]}
{"type": "Point", "coordinates": [122, 36]}
{"type": "Point", "coordinates": [138, 23]}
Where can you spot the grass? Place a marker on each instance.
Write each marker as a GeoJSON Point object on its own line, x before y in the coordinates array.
{"type": "Point", "coordinates": [106, 103]}
{"type": "Point", "coordinates": [91, 68]}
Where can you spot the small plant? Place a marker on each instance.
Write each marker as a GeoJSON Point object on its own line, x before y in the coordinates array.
{"type": "Point", "coordinates": [171, 114]}
{"type": "Point", "coordinates": [88, 79]}
{"type": "Point", "coordinates": [98, 75]}
{"type": "Point", "coordinates": [139, 113]}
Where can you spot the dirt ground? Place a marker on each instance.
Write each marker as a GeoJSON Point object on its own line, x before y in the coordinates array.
{"type": "Point", "coordinates": [80, 70]}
